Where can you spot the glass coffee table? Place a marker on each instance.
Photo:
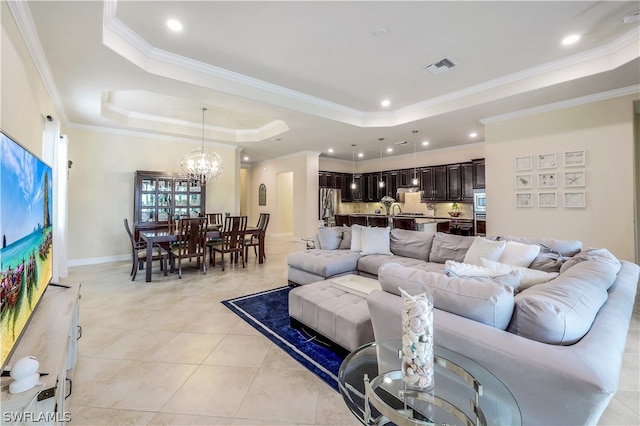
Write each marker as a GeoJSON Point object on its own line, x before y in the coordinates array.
{"type": "Point", "coordinates": [465, 393]}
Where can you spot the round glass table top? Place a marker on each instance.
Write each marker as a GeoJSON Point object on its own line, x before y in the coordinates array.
{"type": "Point", "coordinates": [465, 393]}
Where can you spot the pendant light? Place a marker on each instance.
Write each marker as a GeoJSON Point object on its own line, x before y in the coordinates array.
{"type": "Point", "coordinates": [200, 166]}
{"type": "Point", "coordinates": [381, 182]}
{"type": "Point", "coordinates": [353, 166]}
{"type": "Point", "coordinates": [414, 181]}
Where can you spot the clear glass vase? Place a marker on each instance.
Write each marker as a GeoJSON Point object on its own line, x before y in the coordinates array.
{"type": "Point", "coordinates": [417, 341]}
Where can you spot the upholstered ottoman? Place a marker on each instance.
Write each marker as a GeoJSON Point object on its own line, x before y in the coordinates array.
{"type": "Point", "coordinates": [310, 266]}
{"type": "Point", "coordinates": [338, 315]}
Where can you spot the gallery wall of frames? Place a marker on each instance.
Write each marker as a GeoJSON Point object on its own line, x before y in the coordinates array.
{"type": "Point", "coordinates": [551, 180]}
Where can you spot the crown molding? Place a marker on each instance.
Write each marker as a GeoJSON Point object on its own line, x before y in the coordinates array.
{"type": "Point", "coordinates": [563, 104]}
{"type": "Point", "coordinates": [24, 21]}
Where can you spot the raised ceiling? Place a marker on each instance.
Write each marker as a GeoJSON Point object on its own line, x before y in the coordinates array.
{"type": "Point", "coordinates": [282, 77]}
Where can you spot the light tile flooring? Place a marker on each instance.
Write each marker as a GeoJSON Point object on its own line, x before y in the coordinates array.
{"type": "Point", "coordinates": [169, 353]}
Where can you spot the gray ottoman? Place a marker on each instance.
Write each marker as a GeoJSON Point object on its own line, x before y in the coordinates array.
{"type": "Point", "coordinates": [310, 266]}
{"type": "Point", "coordinates": [337, 315]}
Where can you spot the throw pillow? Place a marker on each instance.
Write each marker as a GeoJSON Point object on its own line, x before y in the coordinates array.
{"type": "Point", "coordinates": [482, 247]}
{"type": "Point", "coordinates": [528, 277]}
{"type": "Point", "coordinates": [601, 255]}
{"type": "Point", "coordinates": [346, 238]}
{"type": "Point", "coordinates": [449, 247]}
{"type": "Point", "coordinates": [548, 260]}
{"type": "Point", "coordinates": [329, 238]}
{"type": "Point", "coordinates": [480, 273]}
{"type": "Point", "coordinates": [375, 240]}
{"type": "Point", "coordinates": [356, 241]}
{"type": "Point", "coordinates": [512, 279]}
{"type": "Point", "coordinates": [489, 303]}
{"type": "Point", "coordinates": [518, 254]}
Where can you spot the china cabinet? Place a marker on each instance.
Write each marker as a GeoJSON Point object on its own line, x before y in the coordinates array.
{"type": "Point", "coordinates": [159, 195]}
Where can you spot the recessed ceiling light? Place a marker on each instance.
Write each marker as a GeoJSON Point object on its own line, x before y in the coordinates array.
{"type": "Point", "coordinates": [330, 150]}
{"type": "Point", "coordinates": [385, 103]}
{"type": "Point", "coordinates": [174, 25]}
{"type": "Point", "coordinates": [473, 134]}
{"type": "Point", "coordinates": [389, 149]}
{"type": "Point", "coordinates": [380, 32]}
{"type": "Point", "coordinates": [245, 158]}
{"type": "Point", "coordinates": [425, 143]}
{"type": "Point", "coordinates": [360, 155]}
{"type": "Point", "coordinates": [570, 39]}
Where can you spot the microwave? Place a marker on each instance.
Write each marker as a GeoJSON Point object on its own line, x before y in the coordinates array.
{"type": "Point", "coordinates": [479, 201]}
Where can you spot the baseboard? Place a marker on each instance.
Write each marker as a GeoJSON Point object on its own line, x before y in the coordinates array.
{"type": "Point", "coordinates": [98, 260]}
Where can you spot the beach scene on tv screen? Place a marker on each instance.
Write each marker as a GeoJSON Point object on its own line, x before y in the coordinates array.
{"type": "Point", "coordinates": [25, 226]}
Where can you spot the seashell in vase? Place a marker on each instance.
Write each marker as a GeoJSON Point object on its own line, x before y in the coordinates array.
{"type": "Point", "coordinates": [417, 341]}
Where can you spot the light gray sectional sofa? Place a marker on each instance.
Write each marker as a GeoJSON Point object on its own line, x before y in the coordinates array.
{"type": "Point", "coordinates": [554, 334]}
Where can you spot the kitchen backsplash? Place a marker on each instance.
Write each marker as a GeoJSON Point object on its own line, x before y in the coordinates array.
{"type": "Point", "coordinates": [412, 204]}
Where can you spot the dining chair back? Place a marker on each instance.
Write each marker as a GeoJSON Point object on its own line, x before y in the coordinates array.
{"type": "Point", "coordinates": [231, 240]}
{"type": "Point", "coordinates": [255, 239]}
{"type": "Point", "coordinates": [408, 223]}
{"type": "Point", "coordinates": [191, 241]}
{"type": "Point", "coordinates": [139, 253]}
{"type": "Point", "coordinates": [214, 218]}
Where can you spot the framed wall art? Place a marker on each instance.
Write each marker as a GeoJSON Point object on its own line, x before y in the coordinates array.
{"type": "Point", "coordinates": [573, 158]}
{"type": "Point", "coordinates": [574, 199]}
{"type": "Point", "coordinates": [524, 200]}
{"type": "Point", "coordinates": [262, 195]}
{"type": "Point", "coordinates": [523, 163]}
{"type": "Point", "coordinates": [574, 178]}
{"type": "Point", "coordinates": [547, 180]}
{"type": "Point", "coordinates": [523, 181]}
{"type": "Point", "coordinates": [547, 199]}
{"type": "Point", "coordinates": [547, 161]}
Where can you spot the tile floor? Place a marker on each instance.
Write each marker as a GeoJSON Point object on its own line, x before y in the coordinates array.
{"type": "Point", "coordinates": [169, 353]}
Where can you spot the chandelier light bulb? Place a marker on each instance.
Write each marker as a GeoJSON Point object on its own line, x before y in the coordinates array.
{"type": "Point", "coordinates": [200, 166]}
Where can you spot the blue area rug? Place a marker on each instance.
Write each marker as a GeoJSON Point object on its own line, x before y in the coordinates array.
{"type": "Point", "coordinates": [268, 312]}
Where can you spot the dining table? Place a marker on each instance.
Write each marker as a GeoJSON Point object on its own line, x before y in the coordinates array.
{"type": "Point", "coordinates": [165, 235]}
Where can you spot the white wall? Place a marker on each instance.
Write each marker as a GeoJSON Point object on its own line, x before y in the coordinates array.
{"type": "Point", "coordinates": [605, 131]}
{"type": "Point", "coordinates": [284, 203]}
{"type": "Point", "coordinates": [101, 187]}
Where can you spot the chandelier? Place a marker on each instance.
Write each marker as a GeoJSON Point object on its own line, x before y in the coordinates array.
{"type": "Point", "coordinates": [200, 166]}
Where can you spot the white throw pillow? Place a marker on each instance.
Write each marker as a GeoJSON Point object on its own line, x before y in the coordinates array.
{"type": "Point", "coordinates": [519, 254]}
{"type": "Point", "coordinates": [356, 232]}
{"type": "Point", "coordinates": [528, 277]}
{"type": "Point", "coordinates": [482, 247]}
{"type": "Point", "coordinates": [469, 270]}
{"type": "Point", "coordinates": [374, 240]}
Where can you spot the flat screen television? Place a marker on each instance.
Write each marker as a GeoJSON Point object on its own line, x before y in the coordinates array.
{"type": "Point", "coordinates": [26, 255]}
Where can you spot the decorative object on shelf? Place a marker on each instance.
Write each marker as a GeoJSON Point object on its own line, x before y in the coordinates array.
{"type": "Point", "coordinates": [202, 166]}
{"type": "Point", "coordinates": [387, 202]}
{"type": "Point", "coordinates": [455, 210]}
{"type": "Point", "coordinates": [417, 341]}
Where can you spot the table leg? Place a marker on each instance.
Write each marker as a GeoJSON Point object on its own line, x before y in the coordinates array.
{"type": "Point", "coordinates": [261, 247]}
{"type": "Point", "coordinates": [149, 264]}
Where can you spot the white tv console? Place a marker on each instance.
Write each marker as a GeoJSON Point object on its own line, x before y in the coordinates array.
{"type": "Point", "coordinates": [52, 337]}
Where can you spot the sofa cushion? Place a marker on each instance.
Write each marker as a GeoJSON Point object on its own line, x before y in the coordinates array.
{"type": "Point", "coordinates": [324, 263]}
{"type": "Point", "coordinates": [518, 254]}
{"type": "Point", "coordinates": [356, 239]}
{"type": "Point", "coordinates": [480, 273]}
{"type": "Point", "coordinates": [412, 244]}
{"type": "Point", "coordinates": [329, 238]}
{"type": "Point", "coordinates": [483, 247]}
{"type": "Point", "coordinates": [375, 240]}
{"type": "Point", "coordinates": [602, 255]}
{"type": "Point", "coordinates": [370, 264]}
{"type": "Point", "coordinates": [449, 247]}
{"type": "Point", "coordinates": [553, 252]}
{"type": "Point", "coordinates": [345, 244]}
{"type": "Point", "coordinates": [562, 311]}
{"type": "Point", "coordinates": [488, 303]}
{"type": "Point", "coordinates": [528, 276]}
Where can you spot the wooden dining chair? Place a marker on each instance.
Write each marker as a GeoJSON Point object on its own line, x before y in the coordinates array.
{"type": "Point", "coordinates": [192, 233]}
{"type": "Point", "coordinates": [214, 218]}
{"type": "Point", "coordinates": [139, 253]}
{"type": "Point", "coordinates": [231, 240]}
{"type": "Point", "coordinates": [254, 239]}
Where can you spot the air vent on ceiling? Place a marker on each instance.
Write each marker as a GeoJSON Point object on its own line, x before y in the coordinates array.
{"type": "Point", "coordinates": [442, 65]}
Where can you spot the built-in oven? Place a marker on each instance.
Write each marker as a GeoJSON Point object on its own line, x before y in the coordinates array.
{"type": "Point", "coordinates": [480, 212]}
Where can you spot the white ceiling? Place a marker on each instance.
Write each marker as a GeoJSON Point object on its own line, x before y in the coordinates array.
{"type": "Point", "coordinates": [282, 77]}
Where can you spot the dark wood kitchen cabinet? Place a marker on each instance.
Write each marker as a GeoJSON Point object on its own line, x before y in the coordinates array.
{"type": "Point", "coordinates": [478, 173]}
{"type": "Point", "coordinates": [433, 183]}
